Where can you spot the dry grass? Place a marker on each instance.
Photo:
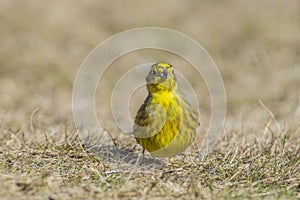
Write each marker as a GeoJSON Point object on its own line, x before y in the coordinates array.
{"type": "Point", "coordinates": [256, 46]}
{"type": "Point", "coordinates": [258, 164]}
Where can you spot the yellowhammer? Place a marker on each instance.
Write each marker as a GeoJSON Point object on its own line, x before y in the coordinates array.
{"type": "Point", "coordinates": [165, 124]}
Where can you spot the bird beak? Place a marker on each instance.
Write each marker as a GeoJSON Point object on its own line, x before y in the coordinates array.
{"type": "Point", "coordinates": [165, 74]}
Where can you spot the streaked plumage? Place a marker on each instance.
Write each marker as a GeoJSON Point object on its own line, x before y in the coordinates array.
{"type": "Point", "coordinates": [165, 124]}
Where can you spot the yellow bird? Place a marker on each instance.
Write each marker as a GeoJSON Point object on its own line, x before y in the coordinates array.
{"type": "Point", "coordinates": [165, 124]}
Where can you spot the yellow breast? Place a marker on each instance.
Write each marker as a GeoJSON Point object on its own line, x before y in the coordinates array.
{"type": "Point", "coordinates": [173, 135]}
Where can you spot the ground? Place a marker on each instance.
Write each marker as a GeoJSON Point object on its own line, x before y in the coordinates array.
{"type": "Point", "coordinates": [43, 156]}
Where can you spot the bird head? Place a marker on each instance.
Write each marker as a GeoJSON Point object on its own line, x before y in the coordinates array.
{"type": "Point", "coordinates": [161, 77]}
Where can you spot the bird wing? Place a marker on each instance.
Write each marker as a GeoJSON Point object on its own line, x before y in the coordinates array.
{"type": "Point", "coordinates": [149, 119]}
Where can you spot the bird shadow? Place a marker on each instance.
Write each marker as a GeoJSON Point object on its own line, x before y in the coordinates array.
{"type": "Point", "coordinates": [115, 155]}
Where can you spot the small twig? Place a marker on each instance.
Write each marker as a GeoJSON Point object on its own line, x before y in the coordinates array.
{"type": "Point", "coordinates": [234, 155]}
{"type": "Point", "coordinates": [66, 139]}
{"type": "Point", "coordinates": [225, 132]}
{"type": "Point", "coordinates": [2, 122]}
{"type": "Point", "coordinates": [267, 127]}
{"type": "Point", "coordinates": [46, 137]}
{"type": "Point", "coordinates": [297, 110]}
{"type": "Point", "coordinates": [82, 149]}
{"type": "Point", "coordinates": [14, 138]}
{"type": "Point", "coordinates": [232, 177]}
{"type": "Point", "coordinates": [31, 119]}
{"type": "Point", "coordinates": [270, 113]}
{"type": "Point", "coordinates": [113, 140]}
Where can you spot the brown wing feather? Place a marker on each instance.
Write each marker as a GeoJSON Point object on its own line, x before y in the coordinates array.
{"type": "Point", "coordinates": [142, 117]}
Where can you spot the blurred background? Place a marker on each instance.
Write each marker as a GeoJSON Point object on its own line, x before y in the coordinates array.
{"type": "Point", "coordinates": [255, 44]}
